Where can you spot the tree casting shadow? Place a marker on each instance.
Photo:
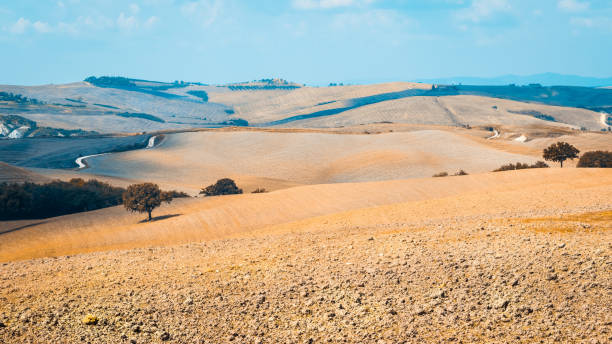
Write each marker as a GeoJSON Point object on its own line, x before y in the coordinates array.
{"type": "Point", "coordinates": [159, 218]}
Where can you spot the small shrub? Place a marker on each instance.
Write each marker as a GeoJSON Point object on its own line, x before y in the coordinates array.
{"type": "Point", "coordinates": [259, 190]}
{"type": "Point", "coordinates": [18, 98]}
{"type": "Point", "coordinates": [441, 174]}
{"type": "Point", "coordinates": [521, 166]}
{"type": "Point", "coordinates": [200, 94]}
{"type": "Point", "coordinates": [539, 164]}
{"type": "Point", "coordinates": [223, 186]}
{"type": "Point", "coordinates": [461, 173]}
{"type": "Point", "coordinates": [177, 194]}
{"type": "Point", "coordinates": [600, 159]}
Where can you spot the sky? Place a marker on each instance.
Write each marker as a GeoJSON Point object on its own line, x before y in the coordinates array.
{"type": "Point", "coordinates": [307, 41]}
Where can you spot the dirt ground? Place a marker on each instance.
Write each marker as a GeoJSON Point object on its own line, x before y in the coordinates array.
{"type": "Point", "coordinates": [528, 261]}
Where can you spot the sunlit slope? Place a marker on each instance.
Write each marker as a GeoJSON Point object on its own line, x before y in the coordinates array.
{"type": "Point", "coordinates": [271, 105]}
{"type": "Point", "coordinates": [219, 217]}
{"type": "Point", "coordinates": [585, 142]}
{"type": "Point", "coordinates": [306, 158]}
{"type": "Point", "coordinates": [13, 174]}
{"type": "Point", "coordinates": [457, 110]}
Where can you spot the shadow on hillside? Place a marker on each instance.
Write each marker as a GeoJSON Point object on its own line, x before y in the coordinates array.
{"type": "Point", "coordinates": [4, 231]}
{"type": "Point", "coordinates": [159, 218]}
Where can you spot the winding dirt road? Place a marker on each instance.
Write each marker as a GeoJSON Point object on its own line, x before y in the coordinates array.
{"type": "Point", "coordinates": [495, 135]}
{"type": "Point", "coordinates": [603, 118]}
{"type": "Point", "coordinates": [81, 163]}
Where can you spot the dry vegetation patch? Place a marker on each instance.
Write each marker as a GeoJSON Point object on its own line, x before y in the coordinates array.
{"type": "Point", "coordinates": [586, 222]}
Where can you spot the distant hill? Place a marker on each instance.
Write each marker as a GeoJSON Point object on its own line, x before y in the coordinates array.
{"type": "Point", "coordinates": [545, 79]}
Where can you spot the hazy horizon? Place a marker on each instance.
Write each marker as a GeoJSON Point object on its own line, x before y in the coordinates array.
{"type": "Point", "coordinates": [307, 41]}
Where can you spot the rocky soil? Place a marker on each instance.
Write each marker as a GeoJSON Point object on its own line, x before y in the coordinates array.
{"type": "Point", "coordinates": [463, 280]}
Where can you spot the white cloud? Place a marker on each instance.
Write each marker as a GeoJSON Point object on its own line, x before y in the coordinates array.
{"type": "Point", "coordinates": [126, 23]}
{"type": "Point", "coordinates": [95, 23]}
{"type": "Point", "coordinates": [573, 5]}
{"type": "Point", "coordinates": [69, 28]}
{"type": "Point", "coordinates": [20, 26]}
{"type": "Point", "coordinates": [203, 11]}
{"type": "Point", "coordinates": [41, 27]}
{"type": "Point", "coordinates": [151, 21]}
{"type": "Point", "coordinates": [481, 10]}
{"type": "Point", "coordinates": [326, 4]}
{"type": "Point", "coordinates": [134, 8]}
{"type": "Point", "coordinates": [83, 24]}
{"type": "Point", "coordinates": [372, 19]}
{"type": "Point", "coordinates": [592, 23]}
{"type": "Point", "coordinates": [60, 4]}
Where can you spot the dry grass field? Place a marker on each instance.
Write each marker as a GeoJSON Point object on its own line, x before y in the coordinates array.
{"type": "Point", "coordinates": [263, 159]}
{"type": "Point", "coordinates": [456, 110]}
{"type": "Point", "coordinates": [266, 106]}
{"type": "Point", "coordinates": [218, 217]}
{"type": "Point", "coordinates": [12, 174]}
{"type": "Point", "coordinates": [419, 260]}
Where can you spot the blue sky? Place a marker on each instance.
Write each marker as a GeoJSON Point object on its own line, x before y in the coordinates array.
{"type": "Point", "coordinates": [309, 41]}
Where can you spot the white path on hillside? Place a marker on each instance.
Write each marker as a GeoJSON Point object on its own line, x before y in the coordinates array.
{"type": "Point", "coordinates": [603, 119]}
{"type": "Point", "coordinates": [81, 161]}
{"type": "Point", "coordinates": [151, 142]}
{"type": "Point", "coordinates": [495, 135]}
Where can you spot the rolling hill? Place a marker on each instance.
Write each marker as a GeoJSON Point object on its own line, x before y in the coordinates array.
{"type": "Point", "coordinates": [140, 105]}
{"type": "Point", "coordinates": [353, 241]}
{"type": "Point", "coordinates": [188, 220]}
{"type": "Point", "coordinates": [193, 160]}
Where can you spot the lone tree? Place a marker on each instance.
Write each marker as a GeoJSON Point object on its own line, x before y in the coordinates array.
{"type": "Point", "coordinates": [223, 186]}
{"type": "Point", "coordinates": [143, 198]}
{"type": "Point", "coordinates": [560, 151]}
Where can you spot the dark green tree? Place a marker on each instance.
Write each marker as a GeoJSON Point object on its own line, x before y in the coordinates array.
{"type": "Point", "coordinates": [145, 197]}
{"type": "Point", "coordinates": [599, 159]}
{"type": "Point", "coordinates": [223, 186]}
{"type": "Point", "coordinates": [560, 151]}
